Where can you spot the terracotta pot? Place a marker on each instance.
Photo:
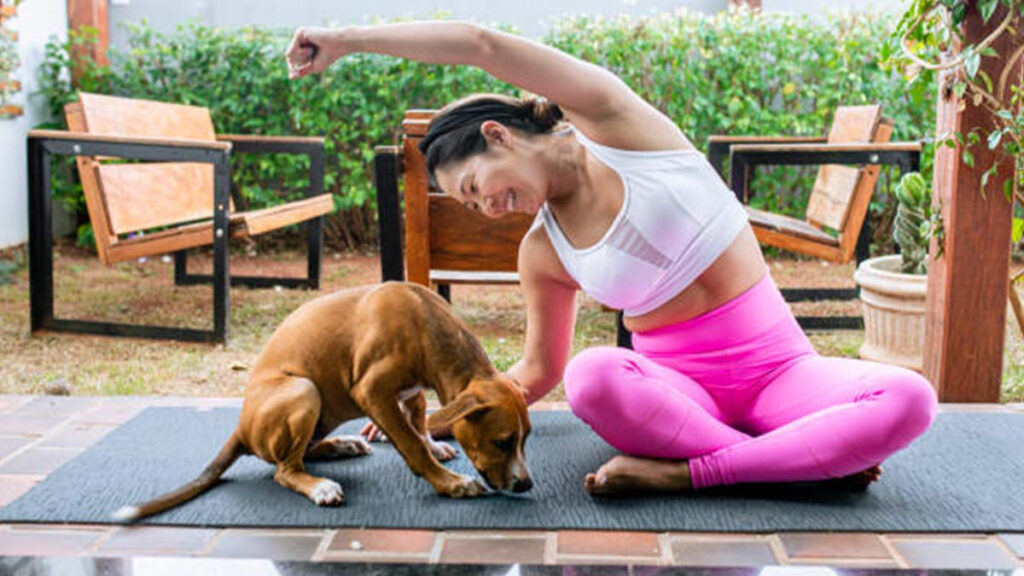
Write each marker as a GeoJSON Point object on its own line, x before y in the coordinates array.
{"type": "Point", "coordinates": [894, 312]}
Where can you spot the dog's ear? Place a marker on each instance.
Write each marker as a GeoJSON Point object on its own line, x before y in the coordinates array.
{"type": "Point", "coordinates": [465, 405]}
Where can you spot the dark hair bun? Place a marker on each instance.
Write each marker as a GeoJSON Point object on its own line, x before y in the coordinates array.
{"type": "Point", "coordinates": [541, 112]}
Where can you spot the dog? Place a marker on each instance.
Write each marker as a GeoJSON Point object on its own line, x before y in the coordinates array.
{"type": "Point", "coordinates": [371, 351]}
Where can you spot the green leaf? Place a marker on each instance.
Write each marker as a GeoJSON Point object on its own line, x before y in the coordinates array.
{"type": "Point", "coordinates": [1018, 230]}
{"type": "Point", "coordinates": [971, 64]}
{"type": "Point", "coordinates": [987, 8]}
{"type": "Point", "coordinates": [994, 138]}
{"type": "Point", "coordinates": [968, 158]}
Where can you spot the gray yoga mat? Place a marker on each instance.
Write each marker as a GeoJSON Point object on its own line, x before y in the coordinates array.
{"type": "Point", "coordinates": [964, 475]}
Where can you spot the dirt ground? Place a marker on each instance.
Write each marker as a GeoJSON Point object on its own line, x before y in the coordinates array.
{"type": "Point", "coordinates": [144, 292]}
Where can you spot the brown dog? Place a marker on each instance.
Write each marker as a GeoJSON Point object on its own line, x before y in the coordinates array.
{"type": "Point", "coordinates": [371, 351]}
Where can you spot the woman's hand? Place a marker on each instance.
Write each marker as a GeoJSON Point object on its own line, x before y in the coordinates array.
{"type": "Point", "coordinates": [311, 51]}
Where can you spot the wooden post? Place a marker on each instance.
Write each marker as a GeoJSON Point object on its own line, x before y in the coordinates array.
{"type": "Point", "coordinates": [967, 285]}
{"type": "Point", "coordinates": [92, 14]}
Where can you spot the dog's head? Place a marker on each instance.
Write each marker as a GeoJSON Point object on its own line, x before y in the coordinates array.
{"type": "Point", "coordinates": [490, 421]}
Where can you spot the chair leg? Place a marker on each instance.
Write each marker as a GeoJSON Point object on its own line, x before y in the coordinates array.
{"type": "Point", "coordinates": [623, 337]}
{"type": "Point", "coordinates": [445, 290]}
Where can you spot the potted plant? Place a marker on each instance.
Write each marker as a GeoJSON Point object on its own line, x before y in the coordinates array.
{"type": "Point", "coordinates": [893, 288]}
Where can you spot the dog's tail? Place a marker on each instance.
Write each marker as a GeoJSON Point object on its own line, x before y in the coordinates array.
{"type": "Point", "coordinates": [225, 458]}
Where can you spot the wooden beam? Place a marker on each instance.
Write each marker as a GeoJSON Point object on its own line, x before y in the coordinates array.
{"type": "Point", "coordinates": [91, 14]}
{"type": "Point", "coordinates": [967, 285]}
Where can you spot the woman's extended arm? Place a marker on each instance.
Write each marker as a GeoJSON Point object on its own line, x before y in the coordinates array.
{"type": "Point", "coordinates": [550, 317]}
{"type": "Point", "coordinates": [584, 89]}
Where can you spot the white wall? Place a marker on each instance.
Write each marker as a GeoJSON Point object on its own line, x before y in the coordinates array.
{"type": "Point", "coordinates": [36, 21]}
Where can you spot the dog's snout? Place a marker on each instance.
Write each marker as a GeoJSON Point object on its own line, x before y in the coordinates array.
{"type": "Point", "coordinates": [522, 484]}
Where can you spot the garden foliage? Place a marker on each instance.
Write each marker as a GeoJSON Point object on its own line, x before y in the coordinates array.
{"type": "Point", "coordinates": [735, 72]}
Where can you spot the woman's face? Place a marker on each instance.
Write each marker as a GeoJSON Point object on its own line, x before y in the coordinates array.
{"type": "Point", "coordinates": [501, 180]}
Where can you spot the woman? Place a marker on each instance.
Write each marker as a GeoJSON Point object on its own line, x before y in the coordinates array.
{"type": "Point", "coordinates": [723, 387]}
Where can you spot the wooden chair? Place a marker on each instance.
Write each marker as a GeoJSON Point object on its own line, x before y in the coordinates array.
{"type": "Point", "coordinates": [175, 198]}
{"type": "Point", "coordinates": [833, 227]}
{"type": "Point", "coordinates": [444, 243]}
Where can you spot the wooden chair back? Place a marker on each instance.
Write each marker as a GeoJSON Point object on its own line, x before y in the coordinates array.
{"type": "Point", "coordinates": [125, 198]}
{"type": "Point", "coordinates": [836, 185]}
{"type": "Point", "coordinates": [444, 241]}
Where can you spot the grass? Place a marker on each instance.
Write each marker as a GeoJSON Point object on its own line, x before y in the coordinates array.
{"type": "Point", "coordinates": [144, 292]}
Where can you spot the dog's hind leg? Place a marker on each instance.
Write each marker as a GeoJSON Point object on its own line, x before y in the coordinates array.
{"type": "Point", "coordinates": [286, 418]}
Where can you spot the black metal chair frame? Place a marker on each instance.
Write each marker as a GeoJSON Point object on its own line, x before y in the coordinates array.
{"type": "Point", "coordinates": [745, 156]}
{"type": "Point", "coordinates": [42, 145]}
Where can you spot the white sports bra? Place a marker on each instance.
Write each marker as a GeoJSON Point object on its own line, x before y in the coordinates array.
{"type": "Point", "coordinates": [677, 217]}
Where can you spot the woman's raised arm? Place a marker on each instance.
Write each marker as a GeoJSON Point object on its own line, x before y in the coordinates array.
{"type": "Point", "coordinates": [584, 90]}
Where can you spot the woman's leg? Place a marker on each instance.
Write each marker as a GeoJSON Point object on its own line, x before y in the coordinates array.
{"type": "Point", "coordinates": [823, 418]}
{"type": "Point", "coordinates": [658, 416]}
{"type": "Point", "coordinates": [643, 408]}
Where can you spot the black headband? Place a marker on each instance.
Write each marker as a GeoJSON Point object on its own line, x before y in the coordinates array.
{"type": "Point", "coordinates": [477, 112]}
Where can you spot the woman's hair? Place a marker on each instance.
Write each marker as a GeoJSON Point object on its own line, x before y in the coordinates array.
{"type": "Point", "coordinates": [454, 134]}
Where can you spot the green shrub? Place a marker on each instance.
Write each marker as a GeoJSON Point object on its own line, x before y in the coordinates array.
{"type": "Point", "coordinates": [735, 72]}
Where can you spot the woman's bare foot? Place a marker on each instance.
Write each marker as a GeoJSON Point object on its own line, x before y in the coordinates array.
{"type": "Point", "coordinates": [630, 474]}
{"type": "Point", "coordinates": [857, 481]}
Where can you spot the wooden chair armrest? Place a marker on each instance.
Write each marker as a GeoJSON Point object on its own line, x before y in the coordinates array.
{"type": "Point", "coordinates": [906, 155]}
{"type": "Point", "coordinates": [273, 143]}
{"type": "Point", "coordinates": [728, 139]}
{"type": "Point", "coordinates": [64, 135]}
{"type": "Point", "coordinates": [812, 148]}
{"type": "Point", "coordinates": [719, 144]}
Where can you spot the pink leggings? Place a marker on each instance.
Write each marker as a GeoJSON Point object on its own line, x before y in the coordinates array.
{"type": "Point", "coordinates": [742, 395]}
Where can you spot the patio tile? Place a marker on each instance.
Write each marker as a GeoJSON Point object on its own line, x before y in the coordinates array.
{"type": "Point", "coordinates": [281, 546]}
{"type": "Point", "coordinates": [961, 554]}
{"type": "Point", "coordinates": [493, 550]}
{"type": "Point", "coordinates": [13, 486]}
{"type": "Point", "coordinates": [1015, 542]}
{"type": "Point", "coordinates": [57, 406]}
{"type": "Point", "coordinates": [10, 444]}
{"type": "Point", "coordinates": [112, 412]}
{"type": "Point", "coordinates": [151, 540]}
{"type": "Point", "coordinates": [46, 542]}
{"type": "Point", "coordinates": [723, 550]}
{"type": "Point", "coordinates": [9, 402]}
{"type": "Point", "coordinates": [389, 541]}
{"type": "Point", "coordinates": [818, 545]}
{"type": "Point", "coordinates": [76, 435]}
{"type": "Point", "coordinates": [28, 424]}
{"type": "Point", "coordinates": [580, 542]}
{"type": "Point", "coordinates": [38, 460]}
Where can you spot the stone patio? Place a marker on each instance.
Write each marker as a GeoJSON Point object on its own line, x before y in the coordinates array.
{"type": "Point", "coordinates": [39, 434]}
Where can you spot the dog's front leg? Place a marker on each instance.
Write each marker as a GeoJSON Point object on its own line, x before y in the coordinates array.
{"type": "Point", "coordinates": [385, 411]}
{"type": "Point", "coordinates": [416, 410]}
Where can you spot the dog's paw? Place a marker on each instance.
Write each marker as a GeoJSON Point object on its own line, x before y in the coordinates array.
{"type": "Point", "coordinates": [327, 493]}
{"type": "Point", "coordinates": [441, 451]}
{"type": "Point", "coordinates": [467, 487]}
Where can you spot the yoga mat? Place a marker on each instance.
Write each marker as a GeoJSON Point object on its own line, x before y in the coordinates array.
{"type": "Point", "coordinates": [963, 475]}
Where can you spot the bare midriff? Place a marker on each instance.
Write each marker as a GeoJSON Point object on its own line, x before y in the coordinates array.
{"type": "Point", "coordinates": [731, 274]}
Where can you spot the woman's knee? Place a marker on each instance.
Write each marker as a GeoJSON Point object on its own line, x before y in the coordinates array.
{"type": "Point", "coordinates": [592, 376]}
{"type": "Point", "coordinates": [911, 402]}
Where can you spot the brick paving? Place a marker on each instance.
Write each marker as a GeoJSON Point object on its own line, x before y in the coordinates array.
{"type": "Point", "coordinates": [37, 434]}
